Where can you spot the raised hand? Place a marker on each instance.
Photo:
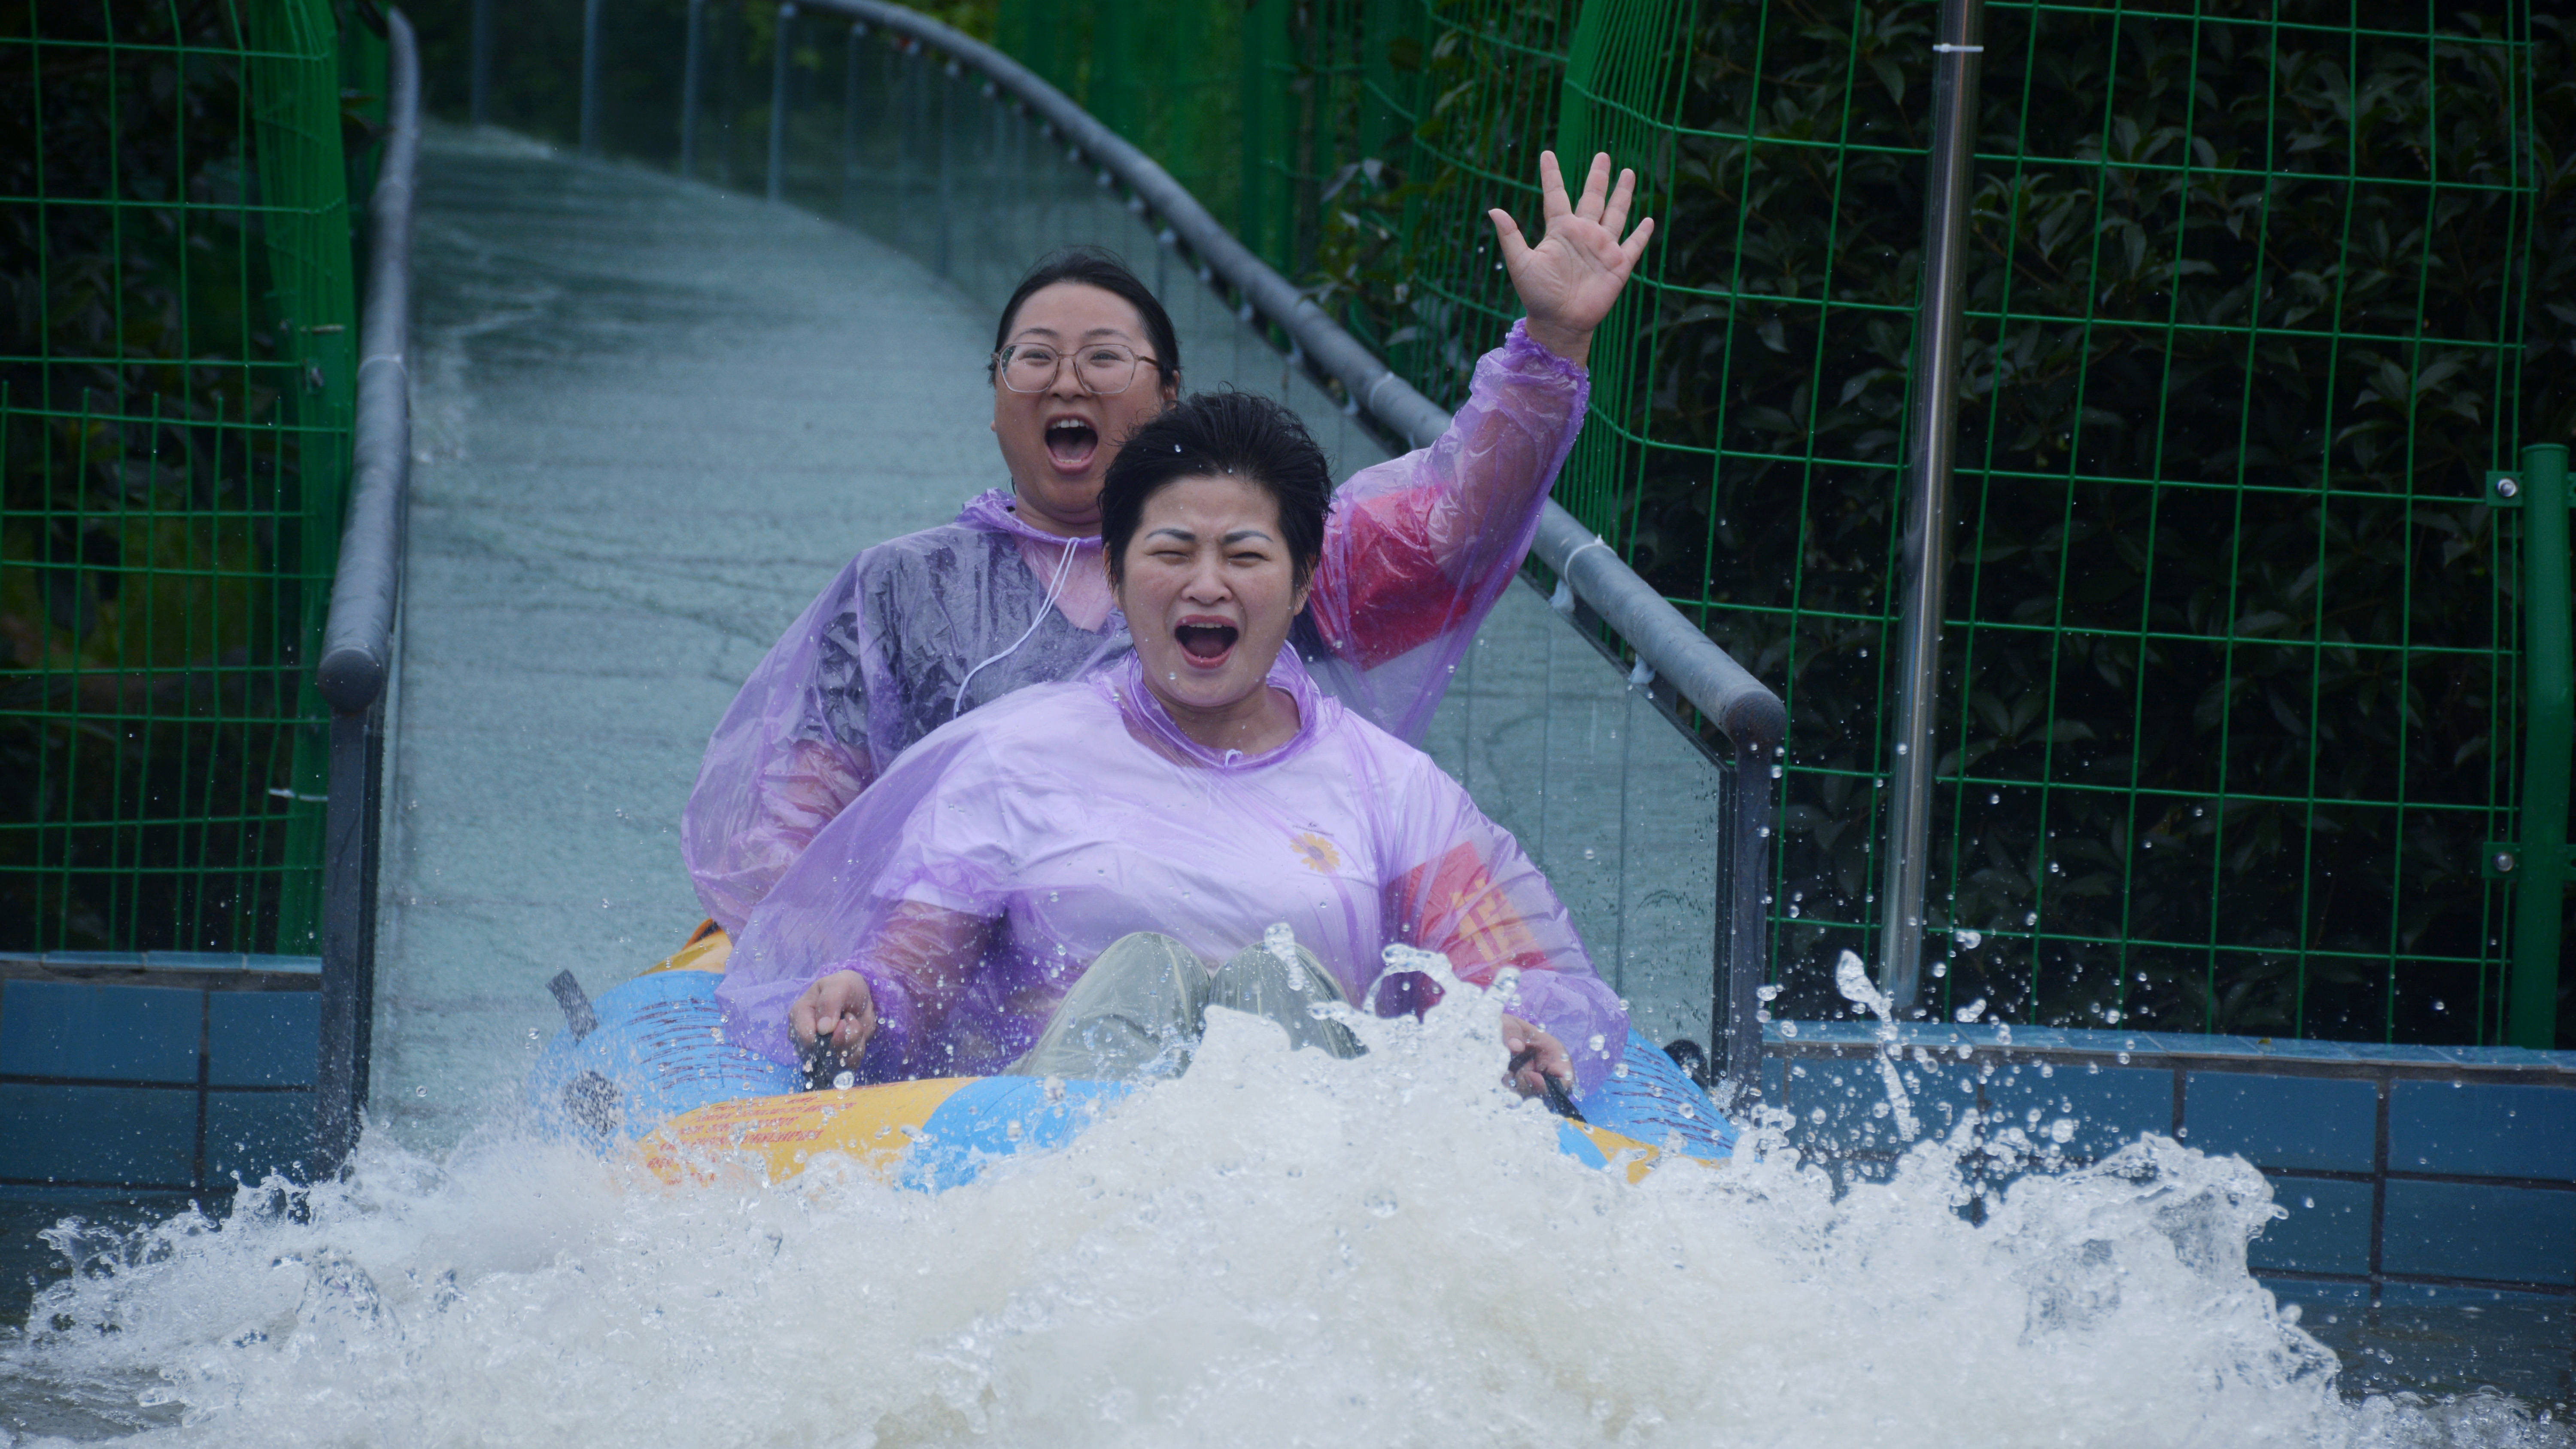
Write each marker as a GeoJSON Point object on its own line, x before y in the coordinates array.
{"type": "Point", "coordinates": [1568, 282]}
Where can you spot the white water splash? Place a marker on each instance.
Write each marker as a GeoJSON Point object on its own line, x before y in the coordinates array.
{"type": "Point", "coordinates": [1851, 978]}
{"type": "Point", "coordinates": [1275, 1249]}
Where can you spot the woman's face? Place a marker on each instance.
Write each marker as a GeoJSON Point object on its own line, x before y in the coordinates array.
{"type": "Point", "coordinates": [1058, 442]}
{"type": "Point", "coordinates": [1209, 589]}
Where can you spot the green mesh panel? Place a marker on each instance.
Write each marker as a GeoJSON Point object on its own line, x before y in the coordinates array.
{"type": "Point", "coordinates": [175, 390]}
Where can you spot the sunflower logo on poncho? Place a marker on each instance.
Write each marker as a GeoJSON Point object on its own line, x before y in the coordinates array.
{"type": "Point", "coordinates": [1317, 852]}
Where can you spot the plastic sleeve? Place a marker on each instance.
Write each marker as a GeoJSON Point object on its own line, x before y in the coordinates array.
{"type": "Point", "coordinates": [1418, 548]}
{"type": "Point", "coordinates": [777, 769]}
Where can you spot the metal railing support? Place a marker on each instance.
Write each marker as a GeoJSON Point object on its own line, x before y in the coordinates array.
{"type": "Point", "coordinates": [1932, 429]}
{"type": "Point", "coordinates": [850, 113]}
{"type": "Point", "coordinates": [2548, 734]}
{"type": "Point", "coordinates": [590, 77]}
{"type": "Point", "coordinates": [947, 190]}
{"type": "Point", "coordinates": [778, 103]}
{"type": "Point", "coordinates": [357, 638]}
{"type": "Point", "coordinates": [479, 82]}
{"type": "Point", "coordinates": [689, 71]}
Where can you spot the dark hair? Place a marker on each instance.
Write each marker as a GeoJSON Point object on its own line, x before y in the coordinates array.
{"type": "Point", "coordinates": [1096, 267]}
{"type": "Point", "coordinates": [1240, 433]}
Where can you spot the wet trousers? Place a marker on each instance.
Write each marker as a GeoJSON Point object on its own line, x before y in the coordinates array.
{"type": "Point", "coordinates": [1141, 1007]}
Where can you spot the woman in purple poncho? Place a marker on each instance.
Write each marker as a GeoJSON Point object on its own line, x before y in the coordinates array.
{"type": "Point", "coordinates": [921, 629]}
{"type": "Point", "coordinates": [1061, 882]}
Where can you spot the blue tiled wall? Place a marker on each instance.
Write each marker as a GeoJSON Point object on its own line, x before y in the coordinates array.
{"type": "Point", "coordinates": [2449, 1169]}
{"type": "Point", "coordinates": [2482, 1130]}
{"type": "Point", "coordinates": [2312, 1123]}
{"type": "Point", "coordinates": [134, 1084]}
{"type": "Point", "coordinates": [105, 1033]}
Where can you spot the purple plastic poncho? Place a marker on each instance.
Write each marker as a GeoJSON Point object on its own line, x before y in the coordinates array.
{"type": "Point", "coordinates": [923, 628]}
{"type": "Point", "coordinates": [974, 883]}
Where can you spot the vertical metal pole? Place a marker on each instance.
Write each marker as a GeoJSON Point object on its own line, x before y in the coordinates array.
{"type": "Point", "coordinates": [688, 88]}
{"type": "Point", "coordinates": [590, 77]}
{"type": "Point", "coordinates": [1743, 943]}
{"type": "Point", "coordinates": [481, 75]}
{"type": "Point", "coordinates": [904, 88]}
{"type": "Point", "coordinates": [778, 103]}
{"type": "Point", "coordinates": [850, 116]}
{"type": "Point", "coordinates": [350, 822]}
{"type": "Point", "coordinates": [2548, 732]}
{"type": "Point", "coordinates": [947, 98]}
{"type": "Point", "coordinates": [1933, 431]}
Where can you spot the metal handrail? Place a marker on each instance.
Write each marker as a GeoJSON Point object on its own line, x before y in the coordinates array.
{"type": "Point", "coordinates": [358, 635]}
{"type": "Point", "coordinates": [1694, 665]}
{"type": "Point", "coordinates": [357, 639]}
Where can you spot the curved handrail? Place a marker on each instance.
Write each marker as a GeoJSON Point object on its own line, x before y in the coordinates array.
{"type": "Point", "coordinates": [357, 637]}
{"type": "Point", "coordinates": [1693, 664]}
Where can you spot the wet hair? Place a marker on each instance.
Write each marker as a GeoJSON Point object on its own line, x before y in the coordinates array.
{"type": "Point", "coordinates": [1216, 433]}
{"type": "Point", "coordinates": [1096, 267]}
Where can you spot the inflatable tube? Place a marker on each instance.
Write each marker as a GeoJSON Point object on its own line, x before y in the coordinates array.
{"type": "Point", "coordinates": [652, 1075]}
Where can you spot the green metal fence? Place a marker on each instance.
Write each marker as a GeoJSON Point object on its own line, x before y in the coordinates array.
{"type": "Point", "coordinates": [175, 391]}
{"type": "Point", "coordinates": [2231, 682]}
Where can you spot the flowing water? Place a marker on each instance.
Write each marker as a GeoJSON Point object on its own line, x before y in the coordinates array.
{"type": "Point", "coordinates": [1275, 1249]}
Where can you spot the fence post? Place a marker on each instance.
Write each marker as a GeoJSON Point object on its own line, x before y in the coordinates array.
{"type": "Point", "coordinates": [1743, 960]}
{"type": "Point", "coordinates": [689, 89]}
{"type": "Point", "coordinates": [480, 84]}
{"type": "Point", "coordinates": [351, 822]}
{"type": "Point", "coordinates": [850, 116]}
{"type": "Point", "coordinates": [947, 94]}
{"type": "Point", "coordinates": [778, 103]}
{"type": "Point", "coordinates": [590, 77]}
{"type": "Point", "coordinates": [1932, 430]}
{"type": "Point", "coordinates": [2548, 732]}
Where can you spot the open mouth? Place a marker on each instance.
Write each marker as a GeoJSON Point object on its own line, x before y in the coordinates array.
{"type": "Point", "coordinates": [1071, 442]}
{"type": "Point", "coordinates": [1206, 644]}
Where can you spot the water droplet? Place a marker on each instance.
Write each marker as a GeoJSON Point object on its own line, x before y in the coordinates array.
{"type": "Point", "coordinates": [2062, 1131]}
{"type": "Point", "coordinates": [1775, 772]}
{"type": "Point", "coordinates": [1940, 969]}
{"type": "Point", "coordinates": [2030, 918]}
{"type": "Point", "coordinates": [1589, 853]}
{"type": "Point", "coordinates": [1970, 940]}
{"type": "Point", "coordinates": [1903, 749]}
{"type": "Point", "coordinates": [844, 1081]}
{"type": "Point", "coordinates": [420, 1091]}
{"type": "Point", "coordinates": [2437, 1004]}
{"type": "Point", "coordinates": [1969, 1013]}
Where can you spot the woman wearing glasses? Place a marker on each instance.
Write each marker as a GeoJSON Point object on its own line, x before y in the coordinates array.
{"type": "Point", "coordinates": [923, 628]}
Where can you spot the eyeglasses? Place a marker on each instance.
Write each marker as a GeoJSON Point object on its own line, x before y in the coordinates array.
{"type": "Point", "coordinates": [1104, 369]}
